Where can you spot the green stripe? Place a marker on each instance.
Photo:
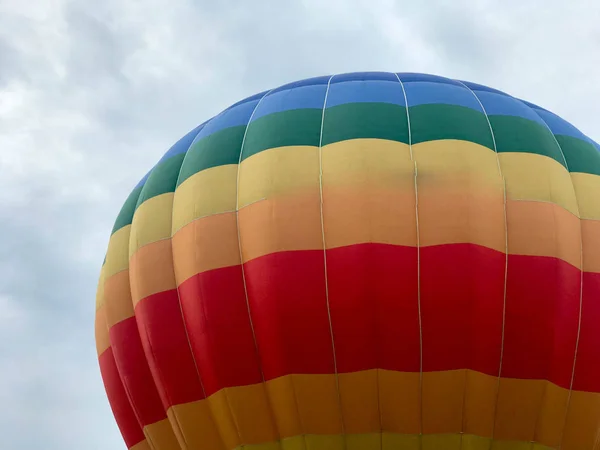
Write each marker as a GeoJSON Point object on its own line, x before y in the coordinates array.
{"type": "Point", "coordinates": [436, 121]}
{"type": "Point", "coordinates": [581, 156]}
{"type": "Point", "coordinates": [365, 120]}
{"type": "Point", "coordinates": [516, 134]}
{"type": "Point", "coordinates": [126, 214]}
{"type": "Point", "coordinates": [292, 127]}
{"type": "Point", "coordinates": [162, 179]}
{"type": "Point", "coordinates": [217, 149]}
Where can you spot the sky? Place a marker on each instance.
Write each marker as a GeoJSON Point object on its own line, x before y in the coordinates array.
{"type": "Point", "coordinates": [93, 93]}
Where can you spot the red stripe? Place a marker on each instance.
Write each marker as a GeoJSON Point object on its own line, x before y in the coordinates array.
{"type": "Point", "coordinates": [216, 317]}
{"type": "Point", "coordinates": [374, 307]}
{"type": "Point", "coordinates": [462, 296]}
{"type": "Point", "coordinates": [542, 314]}
{"type": "Point", "coordinates": [167, 348]}
{"type": "Point", "coordinates": [134, 371]}
{"type": "Point", "coordinates": [587, 369]}
{"type": "Point", "coordinates": [287, 299]}
{"type": "Point", "coordinates": [119, 403]}
{"type": "Point", "coordinates": [373, 301]}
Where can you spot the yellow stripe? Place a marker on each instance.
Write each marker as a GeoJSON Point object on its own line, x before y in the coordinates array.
{"type": "Point", "coordinates": [160, 436]}
{"type": "Point", "coordinates": [394, 441]}
{"type": "Point", "coordinates": [368, 160]}
{"type": "Point", "coordinates": [117, 255]}
{"type": "Point", "coordinates": [535, 177]}
{"type": "Point", "coordinates": [151, 222]}
{"type": "Point", "coordinates": [208, 192]}
{"type": "Point", "coordinates": [469, 160]}
{"type": "Point", "coordinates": [195, 425]}
{"type": "Point", "coordinates": [277, 172]}
{"type": "Point", "coordinates": [142, 445]}
{"type": "Point", "coordinates": [587, 187]}
{"type": "Point", "coordinates": [453, 402]}
{"type": "Point", "coordinates": [582, 427]}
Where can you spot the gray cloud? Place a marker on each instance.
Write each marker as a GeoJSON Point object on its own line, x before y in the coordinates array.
{"type": "Point", "coordinates": [92, 94]}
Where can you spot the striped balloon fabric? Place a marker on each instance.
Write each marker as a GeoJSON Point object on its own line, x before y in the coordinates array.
{"type": "Point", "coordinates": [360, 261]}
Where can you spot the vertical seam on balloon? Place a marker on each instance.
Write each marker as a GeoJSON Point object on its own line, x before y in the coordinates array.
{"type": "Point", "coordinates": [237, 223]}
{"type": "Point", "coordinates": [505, 261]}
{"type": "Point", "coordinates": [125, 385]}
{"type": "Point", "coordinates": [337, 381]}
{"type": "Point", "coordinates": [580, 285]}
{"type": "Point", "coordinates": [187, 335]}
{"type": "Point", "coordinates": [418, 237]}
{"type": "Point", "coordinates": [157, 373]}
{"type": "Point", "coordinates": [112, 355]}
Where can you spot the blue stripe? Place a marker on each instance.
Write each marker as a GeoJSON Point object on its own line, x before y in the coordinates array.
{"type": "Point", "coordinates": [531, 105]}
{"type": "Point", "coordinates": [481, 88]}
{"type": "Point", "coordinates": [144, 178]}
{"type": "Point", "coordinates": [503, 105]}
{"type": "Point", "coordinates": [183, 144]}
{"type": "Point", "coordinates": [315, 81]}
{"type": "Point", "coordinates": [426, 92]}
{"type": "Point", "coordinates": [410, 77]}
{"type": "Point", "coordinates": [561, 126]}
{"type": "Point", "coordinates": [231, 117]}
{"type": "Point", "coordinates": [365, 91]}
{"type": "Point", "coordinates": [249, 99]}
{"type": "Point", "coordinates": [364, 76]}
{"type": "Point", "coordinates": [297, 98]}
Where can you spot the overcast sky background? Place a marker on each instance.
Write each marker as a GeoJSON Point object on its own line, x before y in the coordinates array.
{"type": "Point", "coordinates": [93, 92]}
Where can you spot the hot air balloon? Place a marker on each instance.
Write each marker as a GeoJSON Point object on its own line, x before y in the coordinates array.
{"type": "Point", "coordinates": [356, 262]}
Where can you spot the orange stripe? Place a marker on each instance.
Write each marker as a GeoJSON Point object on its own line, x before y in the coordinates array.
{"type": "Point", "coordinates": [450, 213]}
{"type": "Point", "coordinates": [292, 222]}
{"type": "Point", "coordinates": [590, 233]}
{"type": "Point", "coordinates": [543, 229]}
{"type": "Point", "coordinates": [101, 331]}
{"type": "Point", "coordinates": [360, 214]}
{"type": "Point", "coordinates": [117, 295]}
{"type": "Point", "coordinates": [205, 244]}
{"type": "Point", "coordinates": [151, 269]}
{"type": "Point", "coordinates": [446, 216]}
{"type": "Point", "coordinates": [582, 422]}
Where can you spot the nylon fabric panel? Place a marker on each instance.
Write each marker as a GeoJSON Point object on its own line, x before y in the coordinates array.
{"type": "Point", "coordinates": [586, 186]}
{"type": "Point", "coordinates": [206, 193]}
{"type": "Point", "coordinates": [461, 196]}
{"type": "Point", "coordinates": [368, 193]}
{"type": "Point", "coordinates": [119, 403]}
{"type": "Point", "coordinates": [160, 322]}
{"type": "Point", "coordinates": [368, 197]}
{"type": "Point", "coordinates": [128, 349]}
{"type": "Point", "coordinates": [205, 306]}
{"type": "Point", "coordinates": [542, 299]}
{"type": "Point", "coordinates": [292, 336]}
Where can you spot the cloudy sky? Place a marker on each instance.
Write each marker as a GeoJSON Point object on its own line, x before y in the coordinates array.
{"type": "Point", "coordinates": [92, 93]}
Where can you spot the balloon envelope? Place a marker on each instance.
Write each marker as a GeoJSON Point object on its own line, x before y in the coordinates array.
{"type": "Point", "coordinates": [360, 261]}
